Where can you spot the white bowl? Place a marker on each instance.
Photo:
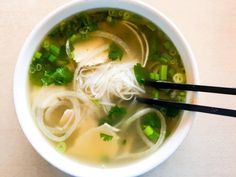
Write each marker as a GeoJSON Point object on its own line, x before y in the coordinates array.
{"type": "Point", "coordinates": [34, 135]}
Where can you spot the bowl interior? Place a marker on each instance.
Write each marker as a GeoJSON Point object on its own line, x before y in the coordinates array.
{"type": "Point", "coordinates": [21, 90]}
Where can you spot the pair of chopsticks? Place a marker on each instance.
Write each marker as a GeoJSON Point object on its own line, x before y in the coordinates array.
{"type": "Point", "coordinates": [189, 107]}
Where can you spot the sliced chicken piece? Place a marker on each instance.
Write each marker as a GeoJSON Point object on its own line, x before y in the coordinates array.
{"type": "Point", "coordinates": [91, 52]}
{"type": "Point", "coordinates": [93, 147]}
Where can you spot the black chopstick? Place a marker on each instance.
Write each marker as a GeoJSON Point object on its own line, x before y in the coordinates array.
{"type": "Point", "coordinates": [189, 107]}
{"type": "Point", "coordinates": [190, 87]}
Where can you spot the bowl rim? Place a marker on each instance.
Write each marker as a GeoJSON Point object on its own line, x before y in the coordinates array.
{"type": "Point", "coordinates": [40, 143]}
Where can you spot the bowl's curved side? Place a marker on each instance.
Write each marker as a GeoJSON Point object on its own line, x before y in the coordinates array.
{"type": "Point", "coordinates": [20, 89]}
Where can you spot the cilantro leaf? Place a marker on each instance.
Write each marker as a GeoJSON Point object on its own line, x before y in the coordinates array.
{"type": "Point", "coordinates": [140, 73]}
{"type": "Point", "coordinates": [105, 137]}
{"type": "Point", "coordinates": [115, 52]}
{"type": "Point", "coordinates": [114, 116]}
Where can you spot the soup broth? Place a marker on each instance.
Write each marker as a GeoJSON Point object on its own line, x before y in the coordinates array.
{"type": "Point", "coordinates": [84, 77]}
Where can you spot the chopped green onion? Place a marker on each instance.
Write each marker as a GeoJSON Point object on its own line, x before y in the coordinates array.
{"type": "Point", "coordinates": [106, 137]}
{"type": "Point", "coordinates": [38, 67]}
{"type": "Point", "coordinates": [46, 44]}
{"type": "Point", "coordinates": [155, 94]}
{"type": "Point", "coordinates": [61, 147]}
{"type": "Point", "coordinates": [173, 61]}
{"type": "Point", "coordinates": [54, 50]}
{"type": "Point", "coordinates": [171, 71]}
{"type": "Point", "coordinates": [151, 133]}
{"type": "Point", "coordinates": [163, 60]}
{"type": "Point", "coordinates": [37, 55]}
{"type": "Point", "coordinates": [126, 15]}
{"type": "Point", "coordinates": [180, 98]}
{"type": "Point", "coordinates": [172, 52]}
{"type": "Point", "coordinates": [151, 119]}
{"type": "Point", "coordinates": [121, 13]}
{"type": "Point", "coordinates": [148, 130]}
{"type": "Point", "coordinates": [140, 73]}
{"type": "Point", "coordinates": [154, 76]}
{"type": "Point", "coordinates": [32, 69]}
{"type": "Point", "coordinates": [168, 45]}
{"type": "Point", "coordinates": [163, 72]}
{"type": "Point", "coordinates": [60, 76]}
{"type": "Point", "coordinates": [167, 56]}
{"type": "Point", "coordinates": [151, 26]}
{"type": "Point", "coordinates": [179, 78]}
{"type": "Point", "coordinates": [155, 136]}
{"type": "Point", "coordinates": [52, 58]}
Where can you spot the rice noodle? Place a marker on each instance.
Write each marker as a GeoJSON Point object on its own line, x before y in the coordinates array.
{"type": "Point", "coordinates": [159, 142]}
{"type": "Point", "coordinates": [107, 81]}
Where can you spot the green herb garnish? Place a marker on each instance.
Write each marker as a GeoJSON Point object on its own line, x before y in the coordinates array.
{"type": "Point", "coordinates": [105, 137]}
{"type": "Point", "coordinates": [115, 52]}
{"type": "Point", "coordinates": [114, 116]}
{"type": "Point", "coordinates": [140, 73]}
{"type": "Point", "coordinates": [61, 147]}
{"type": "Point", "coordinates": [151, 119]}
{"type": "Point", "coordinates": [60, 76]}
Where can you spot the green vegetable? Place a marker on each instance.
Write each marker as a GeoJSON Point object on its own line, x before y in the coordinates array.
{"type": "Point", "coordinates": [37, 55]}
{"type": "Point", "coordinates": [155, 94]}
{"type": "Point", "coordinates": [168, 45]}
{"type": "Point", "coordinates": [38, 67]}
{"type": "Point", "coordinates": [126, 15]}
{"type": "Point", "coordinates": [148, 130]}
{"type": "Point", "coordinates": [180, 98]}
{"type": "Point", "coordinates": [163, 60]}
{"type": "Point", "coordinates": [52, 58]}
{"type": "Point", "coordinates": [115, 52]}
{"type": "Point", "coordinates": [60, 76]}
{"type": "Point", "coordinates": [46, 44]}
{"type": "Point", "coordinates": [61, 147]}
{"type": "Point", "coordinates": [155, 47]}
{"type": "Point", "coordinates": [179, 78]}
{"type": "Point", "coordinates": [114, 116]}
{"type": "Point", "coordinates": [105, 137]}
{"type": "Point", "coordinates": [172, 52]}
{"type": "Point", "coordinates": [151, 119]}
{"type": "Point", "coordinates": [154, 76]}
{"type": "Point", "coordinates": [151, 133]}
{"type": "Point", "coordinates": [54, 50]}
{"type": "Point", "coordinates": [140, 73]}
{"type": "Point", "coordinates": [163, 72]}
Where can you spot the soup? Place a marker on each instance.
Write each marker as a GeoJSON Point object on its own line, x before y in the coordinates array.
{"type": "Point", "coordinates": [84, 78]}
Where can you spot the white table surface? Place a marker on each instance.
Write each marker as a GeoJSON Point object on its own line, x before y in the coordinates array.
{"type": "Point", "coordinates": [210, 148]}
